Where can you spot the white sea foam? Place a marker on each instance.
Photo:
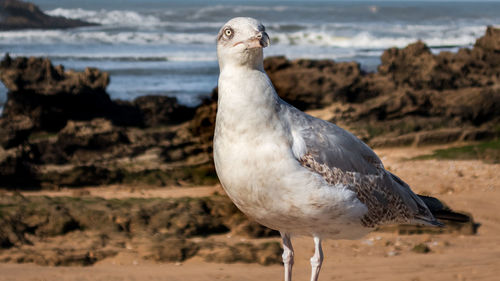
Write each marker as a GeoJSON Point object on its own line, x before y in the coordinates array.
{"type": "Point", "coordinates": [104, 37]}
{"type": "Point", "coordinates": [134, 58]}
{"type": "Point", "coordinates": [199, 29]}
{"type": "Point", "coordinates": [104, 17]}
{"type": "Point", "coordinates": [131, 18]}
{"type": "Point", "coordinates": [363, 40]}
{"type": "Point", "coordinates": [208, 11]}
{"type": "Point", "coordinates": [366, 40]}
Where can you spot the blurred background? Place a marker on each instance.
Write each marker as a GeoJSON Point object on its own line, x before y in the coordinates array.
{"type": "Point", "coordinates": [108, 113]}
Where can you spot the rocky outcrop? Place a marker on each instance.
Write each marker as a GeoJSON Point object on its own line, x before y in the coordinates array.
{"type": "Point", "coordinates": [162, 110]}
{"type": "Point", "coordinates": [82, 231]}
{"type": "Point", "coordinates": [49, 96]}
{"type": "Point", "coordinates": [435, 92]}
{"type": "Point", "coordinates": [39, 76]}
{"type": "Point", "coordinates": [66, 118]}
{"type": "Point", "coordinates": [15, 14]}
{"type": "Point", "coordinates": [203, 122]}
{"type": "Point", "coordinates": [14, 130]}
{"type": "Point", "coordinates": [415, 66]}
{"type": "Point", "coordinates": [490, 41]}
{"type": "Point", "coordinates": [309, 84]}
{"type": "Point", "coordinates": [17, 169]}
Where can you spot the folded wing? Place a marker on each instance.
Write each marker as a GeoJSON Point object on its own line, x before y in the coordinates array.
{"type": "Point", "coordinates": [345, 161]}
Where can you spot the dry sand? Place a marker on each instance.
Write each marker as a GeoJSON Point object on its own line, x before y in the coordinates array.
{"type": "Point", "coordinates": [471, 186]}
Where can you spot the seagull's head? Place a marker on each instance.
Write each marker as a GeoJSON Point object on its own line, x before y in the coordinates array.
{"type": "Point", "coordinates": [240, 42]}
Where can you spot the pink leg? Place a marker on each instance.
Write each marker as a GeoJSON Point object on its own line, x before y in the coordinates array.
{"type": "Point", "coordinates": [287, 255]}
{"type": "Point", "coordinates": [317, 259]}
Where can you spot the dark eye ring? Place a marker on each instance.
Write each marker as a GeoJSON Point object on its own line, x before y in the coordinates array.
{"type": "Point", "coordinates": [228, 32]}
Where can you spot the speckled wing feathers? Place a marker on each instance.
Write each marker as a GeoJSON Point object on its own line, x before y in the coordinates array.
{"type": "Point", "coordinates": [342, 159]}
{"type": "Point", "coordinates": [383, 205]}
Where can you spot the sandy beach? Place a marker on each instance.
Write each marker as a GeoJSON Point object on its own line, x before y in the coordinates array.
{"type": "Point", "coordinates": [470, 186]}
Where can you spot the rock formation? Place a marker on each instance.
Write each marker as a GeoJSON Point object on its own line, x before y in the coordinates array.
{"type": "Point", "coordinates": [67, 118]}
{"type": "Point", "coordinates": [83, 230]}
{"type": "Point", "coordinates": [15, 14]}
{"type": "Point", "coordinates": [161, 230]}
{"type": "Point", "coordinates": [49, 96]}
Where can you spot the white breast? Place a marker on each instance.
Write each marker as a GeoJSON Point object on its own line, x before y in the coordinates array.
{"type": "Point", "coordinates": [255, 163]}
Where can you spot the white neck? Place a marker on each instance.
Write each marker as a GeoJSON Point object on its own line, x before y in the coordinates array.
{"type": "Point", "coordinates": [246, 98]}
{"type": "Point", "coordinates": [251, 59]}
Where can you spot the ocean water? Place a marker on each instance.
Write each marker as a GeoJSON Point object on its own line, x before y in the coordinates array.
{"type": "Point", "coordinates": [168, 47]}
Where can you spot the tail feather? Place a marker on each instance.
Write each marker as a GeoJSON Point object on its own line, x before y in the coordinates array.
{"type": "Point", "coordinates": [443, 212]}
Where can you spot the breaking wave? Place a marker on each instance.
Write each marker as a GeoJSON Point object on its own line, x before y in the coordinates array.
{"type": "Point", "coordinates": [361, 40]}
{"type": "Point", "coordinates": [92, 36]}
{"type": "Point", "coordinates": [104, 17]}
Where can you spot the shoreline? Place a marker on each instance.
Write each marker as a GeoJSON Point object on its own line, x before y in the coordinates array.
{"type": "Point", "coordinates": [118, 95]}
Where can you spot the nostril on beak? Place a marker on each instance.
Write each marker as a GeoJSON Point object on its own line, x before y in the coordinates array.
{"type": "Point", "coordinates": [259, 36]}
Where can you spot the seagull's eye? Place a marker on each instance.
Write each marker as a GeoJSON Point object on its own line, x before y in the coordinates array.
{"type": "Point", "coordinates": [228, 32]}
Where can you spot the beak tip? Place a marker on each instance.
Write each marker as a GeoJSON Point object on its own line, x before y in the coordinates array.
{"type": "Point", "coordinates": [265, 42]}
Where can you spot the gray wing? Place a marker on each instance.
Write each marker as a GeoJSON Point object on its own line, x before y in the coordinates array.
{"type": "Point", "coordinates": [341, 158]}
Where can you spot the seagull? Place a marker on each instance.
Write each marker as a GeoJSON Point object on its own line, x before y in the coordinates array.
{"type": "Point", "coordinates": [293, 172]}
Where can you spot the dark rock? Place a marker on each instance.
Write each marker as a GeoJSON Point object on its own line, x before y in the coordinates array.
{"type": "Point", "coordinates": [17, 169]}
{"type": "Point", "coordinates": [157, 228]}
{"type": "Point", "coordinates": [38, 75]}
{"type": "Point", "coordinates": [479, 134]}
{"type": "Point", "coordinates": [12, 232]}
{"type": "Point", "coordinates": [50, 96]}
{"type": "Point", "coordinates": [60, 257]}
{"type": "Point", "coordinates": [55, 221]}
{"type": "Point", "coordinates": [411, 65]}
{"type": "Point", "coordinates": [396, 105]}
{"type": "Point", "coordinates": [438, 136]}
{"type": "Point", "coordinates": [404, 140]}
{"type": "Point", "coordinates": [203, 123]}
{"type": "Point", "coordinates": [241, 252]}
{"type": "Point", "coordinates": [82, 231]}
{"type": "Point", "coordinates": [79, 175]}
{"type": "Point", "coordinates": [421, 248]}
{"type": "Point", "coordinates": [310, 84]}
{"type": "Point", "coordinates": [98, 134]}
{"type": "Point", "coordinates": [187, 219]}
{"type": "Point", "coordinates": [68, 118]}
{"type": "Point", "coordinates": [490, 41]}
{"type": "Point", "coordinates": [173, 250]}
{"type": "Point", "coordinates": [43, 145]}
{"type": "Point", "coordinates": [15, 131]}
{"type": "Point", "coordinates": [415, 66]}
{"type": "Point", "coordinates": [16, 14]}
{"type": "Point", "coordinates": [269, 253]}
{"type": "Point", "coordinates": [264, 253]}
{"type": "Point", "coordinates": [253, 229]}
{"type": "Point", "coordinates": [162, 110]}
{"type": "Point", "coordinates": [474, 105]}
